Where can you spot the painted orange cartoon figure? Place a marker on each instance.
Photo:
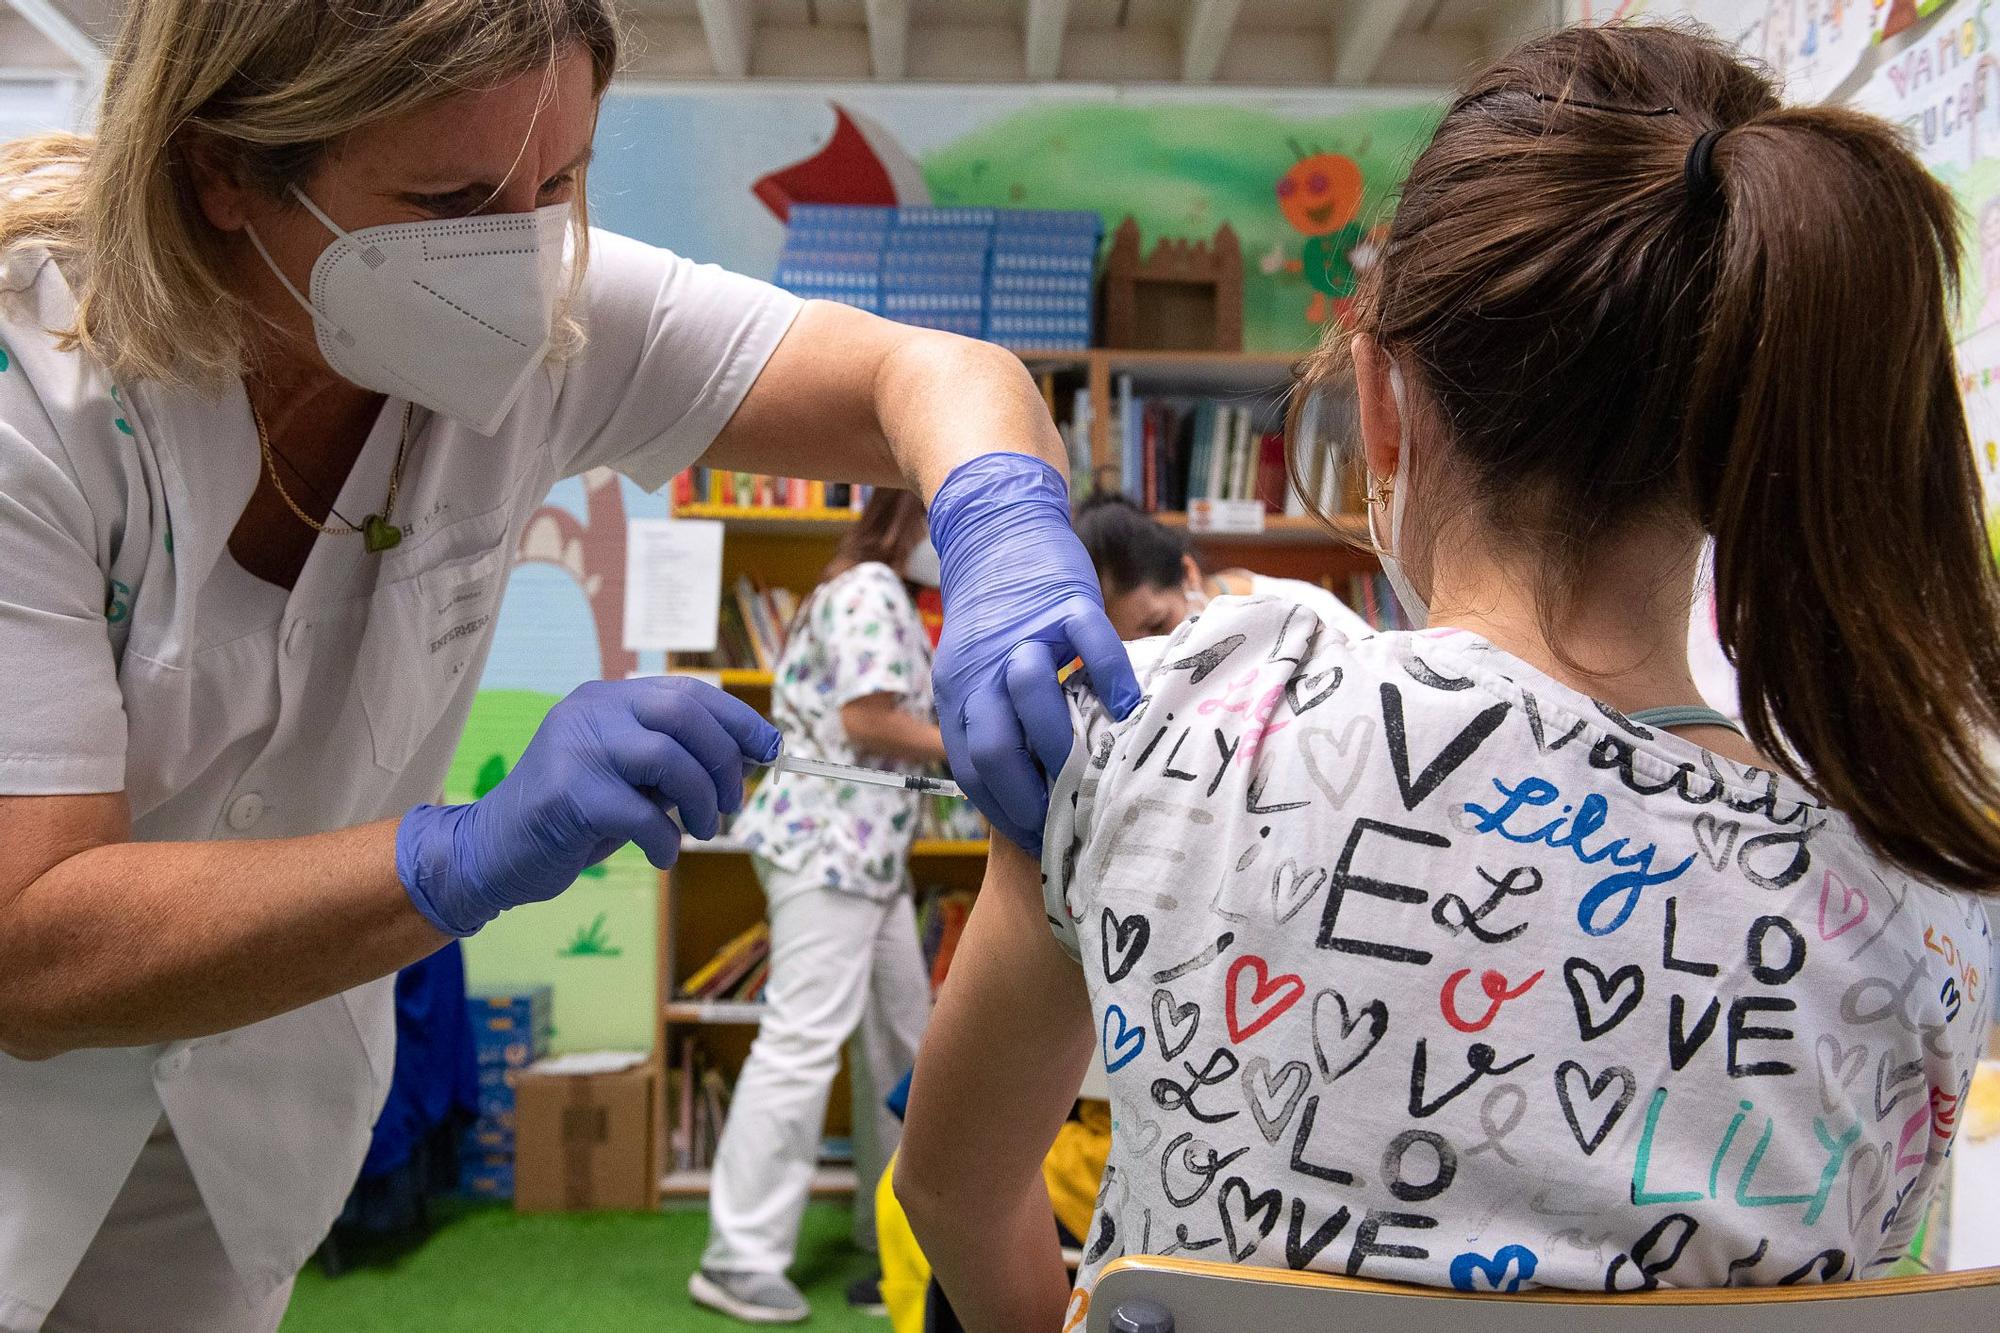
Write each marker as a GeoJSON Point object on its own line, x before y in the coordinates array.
{"type": "Point", "coordinates": [1320, 197]}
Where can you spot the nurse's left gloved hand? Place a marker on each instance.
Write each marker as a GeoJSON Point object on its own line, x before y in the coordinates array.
{"type": "Point", "coordinates": [603, 769]}
{"type": "Point", "coordinates": [1020, 600]}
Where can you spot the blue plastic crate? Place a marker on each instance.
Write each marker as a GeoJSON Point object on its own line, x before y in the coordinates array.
{"type": "Point", "coordinates": [1040, 221]}
{"type": "Point", "coordinates": [917, 216]}
{"type": "Point", "coordinates": [802, 217]}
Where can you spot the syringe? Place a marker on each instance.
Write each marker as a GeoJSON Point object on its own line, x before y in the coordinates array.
{"type": "Point", "coordinates": [876, 777]}
{"type": "Point", "coordinates": [882, 777]}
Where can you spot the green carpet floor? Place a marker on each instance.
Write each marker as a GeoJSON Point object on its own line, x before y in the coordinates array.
{"type": "Point", "coordinates": [486, 1269]}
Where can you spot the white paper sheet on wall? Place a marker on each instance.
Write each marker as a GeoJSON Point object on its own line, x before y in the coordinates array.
{"type": "Point", "coordinates": [673, 584]}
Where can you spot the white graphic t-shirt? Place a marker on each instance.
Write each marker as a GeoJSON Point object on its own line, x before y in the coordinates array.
{"type": "Point", "coordinates": [1410, 963]}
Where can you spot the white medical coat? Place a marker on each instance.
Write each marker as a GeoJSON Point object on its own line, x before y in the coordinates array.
{"type": "Point", "coordinates": [139, 657]}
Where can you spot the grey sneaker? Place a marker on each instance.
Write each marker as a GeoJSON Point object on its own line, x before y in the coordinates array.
{"type": "Point", "coordinates": [754, 1298]}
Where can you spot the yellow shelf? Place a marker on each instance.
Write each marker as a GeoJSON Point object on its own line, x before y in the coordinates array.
{"type": "Point", "coordinates": [728, 678]}
{"type": "Point", "coordinates": [787, 522]}
{"type": "Point", "coordinates": [948, 847]}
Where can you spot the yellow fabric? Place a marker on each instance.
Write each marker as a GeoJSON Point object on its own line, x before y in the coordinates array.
{"type": "Point", "coordinates": [1075, 1165]}
{"type": "Point", "coordinates": [1071, 1170]}
{"type": "Point", "coordinates": [906, 1274]}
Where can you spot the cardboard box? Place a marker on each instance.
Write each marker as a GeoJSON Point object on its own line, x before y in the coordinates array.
{"type": "Point", "coordinates": [584, 1141]}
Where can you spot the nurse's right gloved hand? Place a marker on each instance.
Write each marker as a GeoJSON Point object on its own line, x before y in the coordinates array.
{"type": "Point", "coordinates": [603, 769]}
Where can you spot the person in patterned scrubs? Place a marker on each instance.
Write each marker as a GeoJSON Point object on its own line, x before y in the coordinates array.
{"type": "Point", "coordinates": [854, 687]}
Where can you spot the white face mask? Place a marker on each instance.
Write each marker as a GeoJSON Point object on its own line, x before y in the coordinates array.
{"type": "Point", "coordinates": [1413, 606]}
{"type": "Point", "coordinates": [453, 315]}
{"type": "Point", "coordinates": [921, 566]}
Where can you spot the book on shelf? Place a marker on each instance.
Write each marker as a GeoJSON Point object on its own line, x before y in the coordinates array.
{"type": "Point", "coordinates": [941, 918]}
{"type": "Point", "coordinates": [719, 977]}
{"type": "Point", "coordinates": [699, 1091]}
{"type": "Point", "coordinates": [680, 1139]}
{"type": "Point", "coordinates": [1375, 600]}
{"type": "Point", "coordinates": [714, 1108]}
{"type": "Point", "coordinates": [700, 1098]}
{"type": "Point", "coordinates": [752, 988]}
{"type": "Point", "coordinates": [767, 612]}
{"type": "Point", "coordinates": [1173, 449]}
{"type": "Point", "coordinates": [1076, 439]}
{"type": "Point", "coordinates": [753, 490]}
{"type": "Point", "coordinates": [752, 626]}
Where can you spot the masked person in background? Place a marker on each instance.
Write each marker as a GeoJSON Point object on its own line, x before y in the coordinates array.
{"type": "Point", "coordinates": [853, 687]}
{"type": "Point", "coordinates": [1153, 577]}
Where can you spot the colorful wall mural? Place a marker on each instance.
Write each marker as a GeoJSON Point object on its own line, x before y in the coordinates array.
{"type": "Point", "coordinates": [1941, 82]}
{"type": "Point", "coordinates": [1302, 178]}
{"type": "Point", "coordinates": [1930, 66]}
{"type": "Point", "coordinates": [561, 624]}
{"type": "Point", "coordinates": [1817, 46]}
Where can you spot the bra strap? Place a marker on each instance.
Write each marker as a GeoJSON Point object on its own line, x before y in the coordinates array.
{"type": "Point", "coordinates": [1683, 715]}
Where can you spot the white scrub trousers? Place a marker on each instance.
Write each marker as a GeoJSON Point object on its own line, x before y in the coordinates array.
{"type": "Point", "coordinates": [157, 1263]}
{"type": "Point", "coordinates": [842, 966]}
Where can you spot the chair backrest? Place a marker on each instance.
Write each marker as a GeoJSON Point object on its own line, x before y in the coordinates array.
{"type": "Point", "coordinates": [1224, 1298]}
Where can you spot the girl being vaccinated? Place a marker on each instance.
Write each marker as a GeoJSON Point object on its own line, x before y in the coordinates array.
{"type": "Point", "coordinates": [1483, 955]}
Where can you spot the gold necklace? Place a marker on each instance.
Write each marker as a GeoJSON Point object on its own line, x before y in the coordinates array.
{"type": "Point", "coordinates": [378, 534]}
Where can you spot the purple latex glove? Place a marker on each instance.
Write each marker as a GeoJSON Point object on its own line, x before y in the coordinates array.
{"type": "Point", "coordinates": [1020, 600]}
{"type": "Point", "coordinates": [603, 769]}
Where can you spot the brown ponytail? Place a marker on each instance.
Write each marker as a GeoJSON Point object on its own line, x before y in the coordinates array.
{"type": "Point", "coordinates": [1751, 340]}
{"type": "Point", "coordinates": [1827, 451]}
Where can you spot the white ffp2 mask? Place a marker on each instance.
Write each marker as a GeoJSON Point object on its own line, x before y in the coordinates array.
{"type": "Point", "coordinates": [1413, 606]}
{"type": "Point", "coordinates": [454, 315]}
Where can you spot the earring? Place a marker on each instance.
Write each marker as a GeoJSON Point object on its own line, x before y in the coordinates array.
{"type": "Point", "coordinates": [1380, 491]}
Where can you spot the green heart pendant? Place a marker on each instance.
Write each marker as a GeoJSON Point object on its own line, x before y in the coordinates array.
{"type": "Point", "coordinates": [378, 534]}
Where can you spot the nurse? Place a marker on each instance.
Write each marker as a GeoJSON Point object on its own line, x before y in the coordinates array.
{"type": "Point", "coordinates": [289, 351]}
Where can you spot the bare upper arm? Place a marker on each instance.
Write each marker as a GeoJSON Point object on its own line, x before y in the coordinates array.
{"type": "Point", "coordinates": [865, 716]}
{"type": "Point", "coordinates": [1007, 1045]}
{"type": "Point", "coordinates": [38, 833]}
{"type": "Point", "coordinates": [812, 411]}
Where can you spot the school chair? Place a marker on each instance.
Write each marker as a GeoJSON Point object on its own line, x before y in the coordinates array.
{"type": "Point", "coordinates": [1146, 1294]}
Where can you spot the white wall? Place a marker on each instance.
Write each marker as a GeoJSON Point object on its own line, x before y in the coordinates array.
{"type": "Point", "coordinates": [33, 101]}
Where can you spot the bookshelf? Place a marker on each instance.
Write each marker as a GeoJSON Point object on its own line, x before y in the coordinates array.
{"type": "Point", "coordinates": [711, 895]}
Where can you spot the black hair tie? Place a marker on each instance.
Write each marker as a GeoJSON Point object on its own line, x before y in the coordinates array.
{"type": "Point", "coordinates": [1699, 172]}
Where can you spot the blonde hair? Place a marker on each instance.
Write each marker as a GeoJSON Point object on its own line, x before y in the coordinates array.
{"type": "Point", "coordinates": [267, 88]}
